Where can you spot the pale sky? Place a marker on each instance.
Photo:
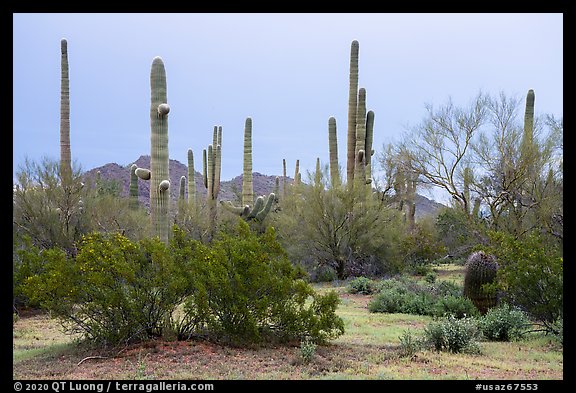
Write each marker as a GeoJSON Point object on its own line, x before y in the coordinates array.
{"type": "Point", "coordinates": [288, 72]}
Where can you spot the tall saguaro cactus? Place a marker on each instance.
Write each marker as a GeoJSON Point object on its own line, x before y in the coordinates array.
{"type": "Point", "coordinates": [333, 149]}
{"type": "Point", "coordinates": [368, 145]}
{"type": "Point", "coordinates": [159, 161]}
{"type": "Point", "coordinates": [212, 159]}
{"type": "Point", "coordinates": [247, 185]}
{"type": "Point", "coordinates": [65, 155]}
{"type": "Point", "coordinates": [191, 181]}
{"type": "Point", "coordinates": [262, 206]}
{"type": "Point", "coordinates": [352, 111]}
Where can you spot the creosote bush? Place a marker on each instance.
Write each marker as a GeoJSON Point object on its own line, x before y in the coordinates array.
{"type": "Point", "coordinates": [503, 323]}
{"type": "Point", "coordinates": [402, 295]}
{"type": "Point", "coordinates": [452, 335]}
{"type": "Point", "coordinates": [362, 285]}
{"type": "Point", "coordinates": [241, 289]}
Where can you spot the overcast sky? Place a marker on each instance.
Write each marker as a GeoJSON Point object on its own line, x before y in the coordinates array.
{"type": "Point", "coordinates": [288, 72]}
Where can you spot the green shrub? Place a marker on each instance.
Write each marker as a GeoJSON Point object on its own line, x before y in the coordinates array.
{"type": "Point", "coordinates": [362, 285]}
{"type": "Point", "coordinates": [448, 288]}
{"type": "Point", "coordinates": [324, 274]}
{"type": "Point", "coordinates": [453, 335]}
{"type": "Point", "coordinates": [247, 291]}
{"type": "Point", "coordinates": [409, 344]}
{"type": "Point", "coordinates": [503, 323]}
{"type": "Point", "coordinates": [531, 275]}
{"type": "Point", "coordinates": [114, 291]}
{"type": "Point", "coordinates": [307, 350]}
{"type": "Point", "coordinates": [457, 306]}
{"type": "Point", "coordinates": [430, 277]}
{"type": "Point", "coordinates": [403, 295]}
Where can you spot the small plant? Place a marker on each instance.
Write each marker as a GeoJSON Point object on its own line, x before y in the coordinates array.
{"type": "Point", "coordinates": [453, 335]}
{"type": "Point", "coordinates": [15, 318]}
{"type": "Point", "coordinates": [409, 344]}
{"type": "Point", "coordinates": [458, 306]}
{"type": "Point", "coordinates": [362, 285]}
{"type": "Point", "coordinates": [430, 277]}
{"type": "Point", "coordinates": [503, 323]}
{"type": "Point", "coordinates": [307, 349]}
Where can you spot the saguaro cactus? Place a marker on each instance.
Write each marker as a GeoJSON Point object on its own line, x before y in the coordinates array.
{"type": "Point", "coordinates": [211, 171]}
{"type": "Point", "coordinates": [481, 269]}
{"type": "Point", "coordinates": [368, 145]}
{"type": "Point", "coordinates": [333, 149]}
{"type": "Point", "coordinates": [297, 173]}
{"type": "Point", "coordinates": [191, 181]}
{"type": "Point", "coordinates": [261, 207]}
{"type": "Point", "coordinates": [133, 187]}
{"type": "Point", "coordinates": [284, 177]}
{"type": "Point", "coordinates": [65, 155]}
{"type": "Point", "coordinates": [159, 161]}
{"type": "Point", "coordinates": [247, 185]}
{"type": "Point", "coordinates": [352, 111]}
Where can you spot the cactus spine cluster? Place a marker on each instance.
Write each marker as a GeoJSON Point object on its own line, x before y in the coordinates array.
{"type": "Point", "coordinates": [65, 155]}
{"type": "Point", "coordinates": [481, 269]}
{"type": "Point", "coordinates": [262, 205]}
{"type": "Point", "coordinates": [159, 162]}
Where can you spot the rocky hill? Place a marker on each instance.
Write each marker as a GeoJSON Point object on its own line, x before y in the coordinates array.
{"type": "Point", "coordinates": [230, 190]}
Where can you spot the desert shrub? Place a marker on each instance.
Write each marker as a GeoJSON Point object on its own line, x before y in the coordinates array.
{"type": "Point", "coordinates": [457, 306]}
{"type": "Point", "coordinates": [323, 274]}
{"type": "Point", "coordinates": [362, 285]}
{"type": "Point", "coordinates": [452, 335]}
{"type": "Point", "coordinates": [403, 295]}
{"type": "Point", "coordinates": [247, 291]}
{"type": "Point", "coordinates": [503, 323]}
{"type": "Point", "coordinates": [114, 291]}
{"type": "Point", "coordinates": [409, 344]}
{"type": "Point", "coordinates": [430, 277]}
{"type": "Point", "coordinates": [447, 288]}
{"type": "Point", "coordinates": [307, 350]}
{"type": "Point", "coordinates": [351, 233]}
{"type": "Point", "coordinates": [531, 275]}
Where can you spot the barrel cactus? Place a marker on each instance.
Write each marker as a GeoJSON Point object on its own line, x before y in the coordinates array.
{"type": "Point", "coordinates": [481, 269]}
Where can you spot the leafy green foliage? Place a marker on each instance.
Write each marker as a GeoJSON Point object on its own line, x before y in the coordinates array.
{"type": "Point", "coordinates": [531, 275]}
{"type": "Point", "coordinates": [406, 296]}
{"type": "Point", "coordinates": [349, 230]}
{"type": "Point", "coordinates": [503, 323]}
{"type": "Point", "coordinates": [114, 291]}
{"type": "Point", "coordinates": [453, 335]}
{"type": "Point", "coordinates": [362, 285]}
{"type": "Point", "coordinates": [246, 290]}
{"type": "Point", "coordinates": [240, 289]}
